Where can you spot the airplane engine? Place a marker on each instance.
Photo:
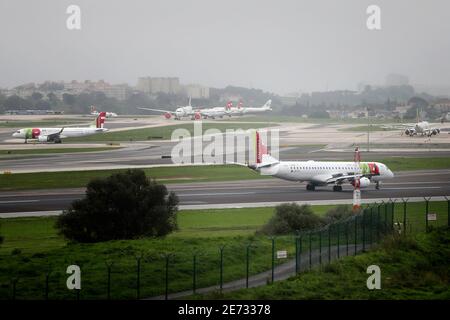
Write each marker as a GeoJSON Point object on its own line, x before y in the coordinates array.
{"type": "Point", "coordinates": [167, 115]}
{"type": "Point", "coordinates": [364, 182]}
{"type": "Point", "coordinates": [43, 139]}
{"type": "Point", "coordinates": [435, 131]}
{"type": "Point", "coordinates": [410, 132]}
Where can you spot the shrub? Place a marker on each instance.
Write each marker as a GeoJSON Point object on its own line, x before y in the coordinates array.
{"type": "Point", "coordinates": [291, 217]}
{"type": "Point", "coordinates": [338, 213]}
{"type": "Point", "coordinates": [123, 206]}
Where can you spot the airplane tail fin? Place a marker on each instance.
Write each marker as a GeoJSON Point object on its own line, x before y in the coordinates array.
{"type": "Point", "coordinates": [100, 120]}
{"type": "Point", "coordinates": [229, 105]}
{"type": "Point", "coordinates": [239, 106]}
{"type": "Point", "coordinates": [263, 158]}
{"type": "Point", "coordinates": [267, 105]}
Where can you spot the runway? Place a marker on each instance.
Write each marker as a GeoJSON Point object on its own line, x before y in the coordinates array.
{"type": "Point", "coordinates": [266, 192]}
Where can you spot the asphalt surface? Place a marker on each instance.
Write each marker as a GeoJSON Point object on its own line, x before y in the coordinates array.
{"type": "Point", "coordinates": [267, 192]}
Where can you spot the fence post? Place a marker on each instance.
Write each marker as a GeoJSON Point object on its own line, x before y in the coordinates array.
{"type": "Point", "coordinates": [427, 202]}
{"type": "Point", "coordinates": [338, 242]}
{"type": "Point", "coordinates": [297, 250]}
{"type": "Point", "coordinates": [300, 253]}
{"type": "Point", "coordinates": [194, 273]}
{"type": "Point", "coordinates": [138, 275]}
{"type": "Point", "coordinates": [371, 226]}
{"type": "Point", "coordinates": [404, 214]}
{"type": "Point", "coordinates": [108, 283]}
{"type": "Point", "coordinates": [385, 216]}
{"type": "Point", "coordinates": [273, 257]}
{"type": "Point", "coordinates": [329, 243]}
{"type": "Point", "coordinates": [356, 234]}
{"type": "Point", "coordinates": [310, 248]}
{"type": "Point", "coordinates": [393, 212]}
{"type": "Point", "coordinates": [320, 247]}
{"type": "Point", "coordinates": [166, 291]}
{"type": "Point", "coordinates": [448, 211]}
{"type": "Point", "coordinates": [47, 277]}
{"type": "Point", "coordinates": [378, 222]}
{"type": "Point", "coordinates": [346, 234]}
{"type": "Point", "coordinates": [221, 267]}
{"type": "Point", "coordinates": [248, 264]}
{"type": "Point", "coordinates": [13, 286]}
{"type": "Point", "coordinates": [363, 231]}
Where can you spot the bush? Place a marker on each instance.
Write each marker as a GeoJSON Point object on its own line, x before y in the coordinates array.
{"type": "Point", "coordinates": [123, 206]}
{"type": "Point", "coordinates": [338, 213]}
{"type": "Point", "coordinates": [291, 217]}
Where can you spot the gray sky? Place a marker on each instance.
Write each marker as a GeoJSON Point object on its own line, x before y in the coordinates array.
{"type": "Point", "coordinates": [279, 46]}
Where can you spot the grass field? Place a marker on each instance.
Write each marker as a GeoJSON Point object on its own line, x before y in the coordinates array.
{"type": "Point", "coordinates": [53, 150]}
{"type": "Point", "coordinates": [32, 245]}
{"type": "Point", "coordinates": [415, 267]}
{"type": "Point", "coordinates": [364, 128]}
{"type": "Point", "coordinates": [73, 179]}
{"type": "Point", "coordinates": [163, 133]}
{"type": "Point", "coordinates": [41, 123]}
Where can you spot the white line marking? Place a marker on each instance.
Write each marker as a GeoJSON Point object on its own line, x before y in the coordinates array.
{"type": "Point", "coordinates": [215, 194]}
{"type": "Point", "coordinates": [18, 201]}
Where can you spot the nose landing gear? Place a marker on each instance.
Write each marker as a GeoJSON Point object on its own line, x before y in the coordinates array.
{"type": "Point", "coordinates": [377, 186]}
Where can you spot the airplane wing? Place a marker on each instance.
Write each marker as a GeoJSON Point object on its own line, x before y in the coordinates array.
{"type": "Point", "coordinates": [55, 135]}
{"type": "Point", "coordinates": [398, 126]}
{"type": "Point", "coordinates": [331, 179]}
{"type": "Point", "coordinates": [157, 110]}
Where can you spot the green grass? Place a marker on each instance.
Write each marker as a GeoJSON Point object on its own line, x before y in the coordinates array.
{"type": "Point", "coordinates": [364, 128]}
{"type": "Point", "coordinates": [38, 123]}
{"type": "Point", "coordinates": [53, 150]}
{"type": "Point", "coordinates": [407, 163]}
{"type": "Point", "coordinates": [162, 133]}
{"type": "Point", "coordinates": [32, 245]}
{"type": "Point", "coordinates": [74, 179]}
{"type": "Point", "coordinates": [414, 267]}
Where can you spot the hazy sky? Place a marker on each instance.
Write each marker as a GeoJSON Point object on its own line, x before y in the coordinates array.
{"type": "Point", "coordinates": [279, 46]}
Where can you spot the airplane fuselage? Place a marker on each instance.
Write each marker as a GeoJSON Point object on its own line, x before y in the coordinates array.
{"type": "Point", "coordinates": [322, 172]}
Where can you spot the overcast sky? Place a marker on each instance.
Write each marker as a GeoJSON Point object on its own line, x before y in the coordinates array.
{"type": "Point", "coordinates": [279, 46]}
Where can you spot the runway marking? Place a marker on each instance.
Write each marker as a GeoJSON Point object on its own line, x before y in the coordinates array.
{"type": "Point", "coordinates": [410, 188]}
{"type": "Point", "coordinates": [18, 201]}
{"type": "Point", "coordinates": [215, 194]}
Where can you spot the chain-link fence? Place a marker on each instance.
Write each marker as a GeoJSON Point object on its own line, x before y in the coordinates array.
{"type": "Point", "coordinates": [254, 261]}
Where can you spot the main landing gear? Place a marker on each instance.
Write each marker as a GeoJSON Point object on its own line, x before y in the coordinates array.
{"type": "Point", "coordinates": [310, 187]}
{"type": "Point", "coordinates": [337, 188]}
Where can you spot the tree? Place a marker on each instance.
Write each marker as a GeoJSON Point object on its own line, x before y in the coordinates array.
{"type": "Point", "coordinates": [123, 206]}
{"type": "Point", "coordinates": [290, 217]}
{"type": "Point", "coordinates": [338, 213]}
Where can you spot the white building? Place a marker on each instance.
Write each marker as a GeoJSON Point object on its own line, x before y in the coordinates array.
{"type": "Point", "coordinates": [196, 91]}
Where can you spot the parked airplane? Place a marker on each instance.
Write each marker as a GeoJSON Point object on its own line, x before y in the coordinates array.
{"type": "Point", "coordinates": [180, 112]}
{"type": "Point", "coordinates": [264, 108]}
{"type": "Point", "coordinates": [94, 112]}
{"type": "Point", "coordinates": [56, 134]}
{"type": "Point", "coordinates": [420, 127]}
{"type": "Point", "coordinates": [216, 112]}
{"type": "Point", "coordinates": [236, 111]}
{"type": "Point", "coordinates": [320, 173]}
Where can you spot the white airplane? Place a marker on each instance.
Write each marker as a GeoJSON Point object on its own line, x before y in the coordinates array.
{"type": "Point", "coordinates": [56, 134]}
{"type": "Point", "coordinates": [180, 112]}
{"type": "Point", "coordinates": [320, 173]}
{"type": "Point", "coordinates": [94, 112]}
{"type": "Point", "coordinates": [236, 111]}
{"type": "Point", "coordinates": [264, 108]}
{"type": "Point", "coordinates": [216, 112]}
{"type": "Point", "coordinates": [420, 127]}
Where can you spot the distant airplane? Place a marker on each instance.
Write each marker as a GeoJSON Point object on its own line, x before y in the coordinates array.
{"type": "Point", "coordinates": [216, 112]}
{"type": "Point", "coordinates": [236, 111]}
{"type": "Point", "coordinates": [266, 107]}
{"type": "Point", "coordinates": [179, 113]}
{"type": "Point", "coordinates": [320, 173]}
{"type": "Point", "coordinates": [56, 134]}
{"type": "Point", "coordinates": [420, 127]}
{"type": "Point", "coordinates": [94, 112]}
